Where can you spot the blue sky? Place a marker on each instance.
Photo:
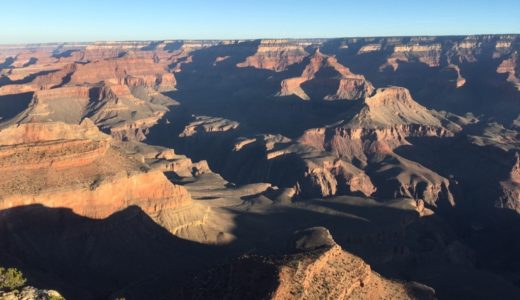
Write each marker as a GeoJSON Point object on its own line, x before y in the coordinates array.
{"type": "Point", "coordinates": [26, 21]}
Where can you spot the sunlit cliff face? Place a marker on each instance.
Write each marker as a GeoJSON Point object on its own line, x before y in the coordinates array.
{"type": "Point", "coordinates": [184, 156]}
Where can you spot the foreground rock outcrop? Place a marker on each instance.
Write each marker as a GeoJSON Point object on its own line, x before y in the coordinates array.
{"type": "Point", "coordinates": [31, 293]}
{"type": "Point", "coordinates": [317, 268]}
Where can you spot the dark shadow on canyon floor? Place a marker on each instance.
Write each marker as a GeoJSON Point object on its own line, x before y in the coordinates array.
{"type": "Point", "coordinates": [128, 252]}
{"type": "Point", "coordinates": [12, 105]}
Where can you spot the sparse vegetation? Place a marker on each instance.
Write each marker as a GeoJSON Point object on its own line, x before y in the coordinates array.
{"type": "Point", "coordinates": [53, 296]}
{"type": "Point", "coordinates": [11, 279]}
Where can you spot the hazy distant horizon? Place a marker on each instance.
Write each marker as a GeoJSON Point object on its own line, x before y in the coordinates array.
{"type": "Point", "coordinates": [251, 39]}
{"type": "Point", "coordinates": [53, 21]}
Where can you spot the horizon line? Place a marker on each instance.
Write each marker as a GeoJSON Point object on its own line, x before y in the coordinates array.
{"type": "Point", "coordinates": [253, 39]}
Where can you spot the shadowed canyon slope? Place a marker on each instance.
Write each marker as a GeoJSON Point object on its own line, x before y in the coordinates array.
{"type": "Point", "coordinates": [171, 169]}
{"type": "Point", "coordinates": [315, 268]}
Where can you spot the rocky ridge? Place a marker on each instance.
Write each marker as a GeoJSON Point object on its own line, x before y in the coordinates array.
{"type": "Point", "coordinates": [316, 268]}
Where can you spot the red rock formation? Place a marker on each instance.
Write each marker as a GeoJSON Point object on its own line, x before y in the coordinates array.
{"type": "Point", "coordinates": [54, 78]}
{"type": "Point", "coordinates": [76, 166]}
{"type": "Point", "coordinates": [106, 50]}
{"type": "Point", "coordinates": [348, 86]}
{"type": "Point", "coordinates": [275, 55]}
{"type": "Point", "coordinates": [112, 107]}
{"type": "Point", "coordinates": [115, 109]}
{"type": "Point", "coordinates": [50, 155]}
{"type": "Point", "coordinates": [151, 191]}
{"type": "Point", "coordinates": [429, 54]}
{"type": "Point", "coordinates": [384, 122]}
{"type": "Point", "coordinates": [311, 173]}
{"type": "Point", "coordinates": [66, 104]}
{"type": "Point", "coordinates": [511, 66]}
{"type": "Point", "coordinates": [125, 70]}
{"type": "Point", "coordinates": [45, 132]}
{"type": "Point", "coordinates": [15, 89]}
{"type": "Point", "coordinates": [368, 48]}
{"type": "Point", "coordinates": [511, 188]}
{"type": "Point", "coordinates": [26, 58]}
{"type": "Point", "coordinates": [333, 177]}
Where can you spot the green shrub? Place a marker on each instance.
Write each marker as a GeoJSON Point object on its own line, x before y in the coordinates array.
{"type": "Point", "coordinates": [11, 279]}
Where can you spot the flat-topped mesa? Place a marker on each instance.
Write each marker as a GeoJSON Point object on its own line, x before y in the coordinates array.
{"type": "Point", "coordinates": [382, 124]}
{"type": "Point", "coordinates": [392, 106]}
{"type": "Point", "coordinates": [51, 155]}
{"type": "Point", "coordinates": [97, 198]}
{"type": "Point", "coordinates": [112, 107]}
{"type": "Point", "coordinates": [104, 50]}
{"type": "Point", "coordinates": [315, 267]}
{"type": "Point", "coordinates": [471, 48]}
{"type": "Point", "coordinates": [14, 49]}
{"type": "Point", "coordinates": [78, 167]}
{"type": "Point", "coordinates": [185, 47]}
{"type": "Point", "coordinates": [504, 46]}
{"type": "Point", "coordinates": [429, 54]}
{"type": "Point", "coordinates": [49, 131]}
{"type": "Point", "coordinates": [427, 50]}
{"type": "Point", "coordinates": [65, 104]}
{"type": "Point", "coordinates": [63, 92]}
{"type": "Point", "coordinates": [52, 145]}
{"type": "Point", "coordinates": [13, 89]}
{"type": "Point", "coordinates": [369, 48]}
{"type": "Point", "coordinates": [325, 78]}
{"type": "Point", "coordinates": [132, 71]}
{"type": "Point", "coordinates": [276, 55]}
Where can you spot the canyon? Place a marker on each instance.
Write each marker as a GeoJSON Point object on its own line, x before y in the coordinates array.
{"type": "Point", "coordinates": [345, 168]}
